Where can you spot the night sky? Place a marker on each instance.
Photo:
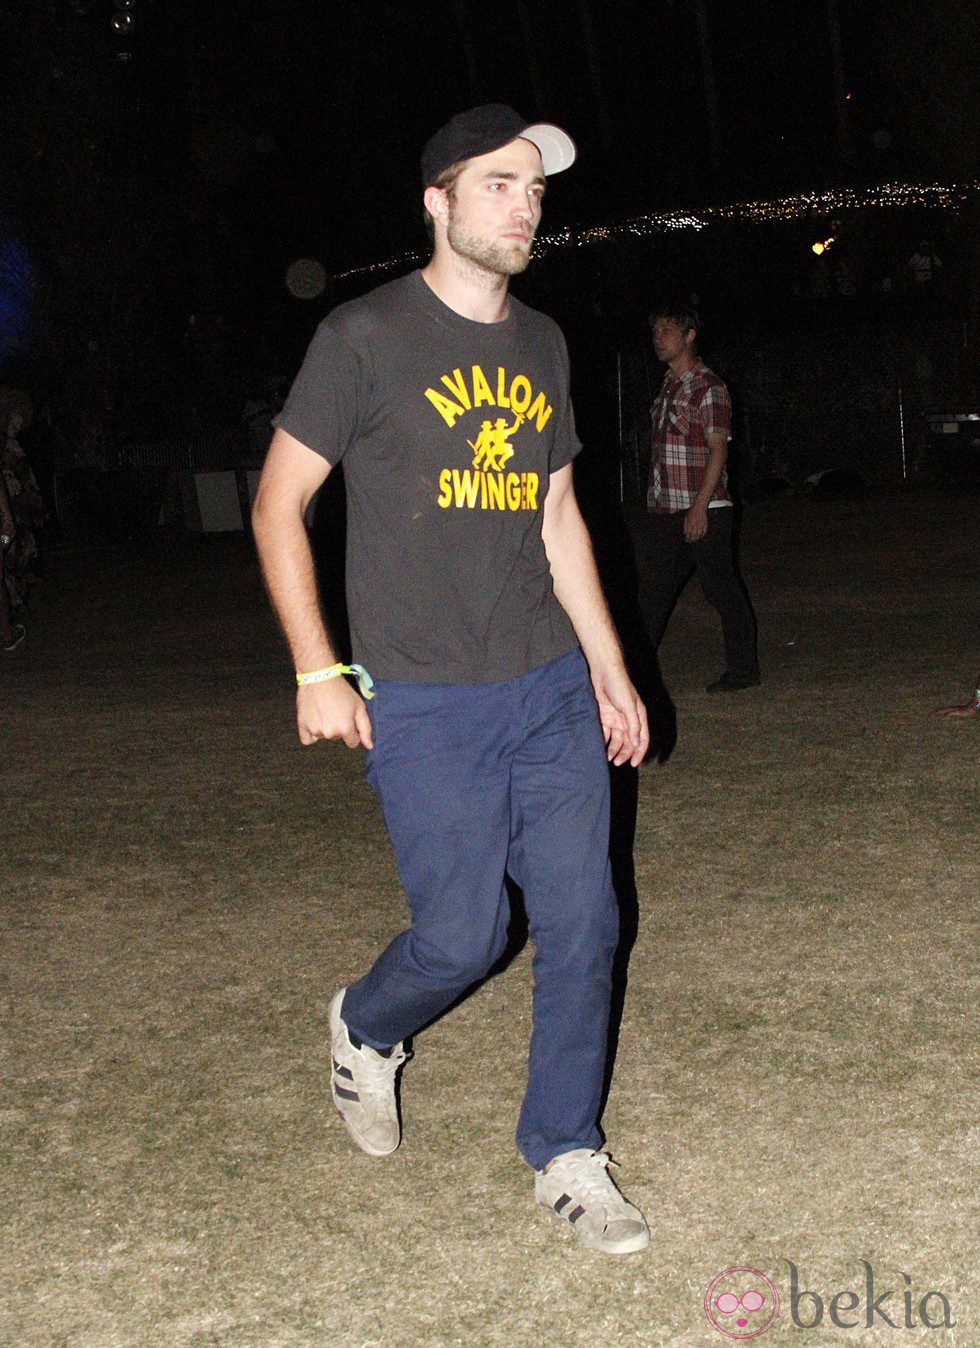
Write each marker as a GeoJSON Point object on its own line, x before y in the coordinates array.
{"type": "Point", "coordinates": [160, 198]}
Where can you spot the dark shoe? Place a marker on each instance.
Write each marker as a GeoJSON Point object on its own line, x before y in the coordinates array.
{"type": "Point", "coordinates": [731, 682]}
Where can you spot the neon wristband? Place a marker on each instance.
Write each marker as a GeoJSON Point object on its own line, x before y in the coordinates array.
{"type": "Point", "coordinates": [364, 681]}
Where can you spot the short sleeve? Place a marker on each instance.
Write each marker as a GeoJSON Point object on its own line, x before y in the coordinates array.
{"type": "Point", "coordinates": [325, 404]}
{"type": "Point", "coordinates": [566, 443]}
{"type": "Point", "coordinates": [715, 411]}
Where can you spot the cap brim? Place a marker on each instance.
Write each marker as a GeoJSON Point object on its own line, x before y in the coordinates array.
{"type": "Point", "coordinates": [556, 147]}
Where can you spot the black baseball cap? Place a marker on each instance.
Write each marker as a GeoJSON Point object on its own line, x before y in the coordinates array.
{"type": "Point", "coordinates": [487, 128]}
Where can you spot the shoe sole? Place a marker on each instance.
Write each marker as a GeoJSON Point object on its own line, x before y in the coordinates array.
{"type": "Point", "coordinates": [632, 1246]}
{"type": "Point", "coordinates": [360, 1142]}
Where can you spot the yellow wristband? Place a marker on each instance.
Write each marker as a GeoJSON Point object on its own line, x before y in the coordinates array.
{"type": "Point", "coordinates": [364, 681]}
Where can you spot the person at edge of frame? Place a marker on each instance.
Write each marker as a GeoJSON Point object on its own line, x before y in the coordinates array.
{"type": "Point", "coordinates": [689, 524]}
{"type": "Point", "coordinates": [492, 684]}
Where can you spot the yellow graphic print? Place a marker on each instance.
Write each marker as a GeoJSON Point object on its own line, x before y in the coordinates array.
{"type": "Point", "coordinates": [486, 485]}
{"type": "Point", "coordinates": [491, 450]}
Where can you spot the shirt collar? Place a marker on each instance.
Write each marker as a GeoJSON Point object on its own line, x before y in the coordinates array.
{"type": "Point", "coordinates": [687, 376]}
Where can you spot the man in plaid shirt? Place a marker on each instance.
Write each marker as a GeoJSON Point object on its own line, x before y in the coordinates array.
{"type": "Point", "coordinates": [690, 509]}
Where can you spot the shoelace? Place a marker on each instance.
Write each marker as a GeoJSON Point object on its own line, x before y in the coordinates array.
{"type": "Point", "coordinates": [379, 1073]}
{"type": "Point", "coordinates": [590, 1175]}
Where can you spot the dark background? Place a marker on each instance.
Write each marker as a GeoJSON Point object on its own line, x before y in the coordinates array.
{"type": "Point", "coordinates": [156, 186]}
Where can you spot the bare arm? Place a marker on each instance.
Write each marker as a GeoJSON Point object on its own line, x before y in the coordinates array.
{"type": "Point", "coordinates": [291, 476]}
{"type": "Point", "coordinates": [696, 519]}
{"type": "Point", "coordinates": [577, 588]}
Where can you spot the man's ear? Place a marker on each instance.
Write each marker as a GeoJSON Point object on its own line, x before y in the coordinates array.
{"type": "Point", "coordinates": [437, 204]}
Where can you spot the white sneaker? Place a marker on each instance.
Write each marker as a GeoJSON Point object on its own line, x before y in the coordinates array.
{"type": "Point", "coordinates": [577, 1188]}
{"type": "Point", "coordinates": [363, 1085]}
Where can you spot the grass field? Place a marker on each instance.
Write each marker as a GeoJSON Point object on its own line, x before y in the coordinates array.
{"type": "Point", "coordinates": [184, 887]}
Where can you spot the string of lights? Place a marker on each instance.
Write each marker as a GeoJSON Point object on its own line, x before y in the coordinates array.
{"type": "Point", "coordinates": [937, 196]}
{"type": "Point", "coordinates": [124, 25]}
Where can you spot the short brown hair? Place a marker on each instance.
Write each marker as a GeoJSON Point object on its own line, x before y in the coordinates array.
{"type": "Point", "coordinates": [679, 311]}
{"type": "Point", "coordinates": [445, 182]}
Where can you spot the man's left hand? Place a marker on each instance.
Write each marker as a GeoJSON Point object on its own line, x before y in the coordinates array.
{"type": "Point", "coordinates": [696, 523]}
{"type": "Point", "coordinates": [623, 717]}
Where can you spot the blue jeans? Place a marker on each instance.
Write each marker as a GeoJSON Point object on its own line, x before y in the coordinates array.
{"type": "Point", "coordinates": [476, 781]}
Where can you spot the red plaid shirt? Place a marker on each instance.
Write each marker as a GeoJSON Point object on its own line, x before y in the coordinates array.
{"type": "Point", "coordinates": [686, 410]}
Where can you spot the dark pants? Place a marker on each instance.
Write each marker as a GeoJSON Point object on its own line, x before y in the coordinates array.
{"type": "Point", "coordinates": [476, 781]}
{"type": "Point", "coordinates": [670, 562]}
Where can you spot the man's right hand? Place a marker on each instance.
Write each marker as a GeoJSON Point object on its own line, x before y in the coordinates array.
{"type": "Point", "coordinates": [332, 711]}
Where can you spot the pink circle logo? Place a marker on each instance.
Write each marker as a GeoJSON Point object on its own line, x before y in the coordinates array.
{"type": "Point", "coordinates": [741, 1303]}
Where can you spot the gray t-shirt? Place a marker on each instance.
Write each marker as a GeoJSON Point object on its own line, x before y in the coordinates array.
{"type": "Point", "coordinates": [448, 430]}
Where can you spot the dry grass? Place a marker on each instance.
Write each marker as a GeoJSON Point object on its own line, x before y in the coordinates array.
{"type": "Point", "coordinates": [185, 887]}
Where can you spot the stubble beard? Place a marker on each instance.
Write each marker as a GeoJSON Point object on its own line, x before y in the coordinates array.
{"type": "Point", "coordinates": [495, 256]}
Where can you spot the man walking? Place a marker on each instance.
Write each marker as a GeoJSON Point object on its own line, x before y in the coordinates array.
{"type": "Point", "coordinates": [689, 526]}
{"type": "Point", "coordinates": [473, 598]}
